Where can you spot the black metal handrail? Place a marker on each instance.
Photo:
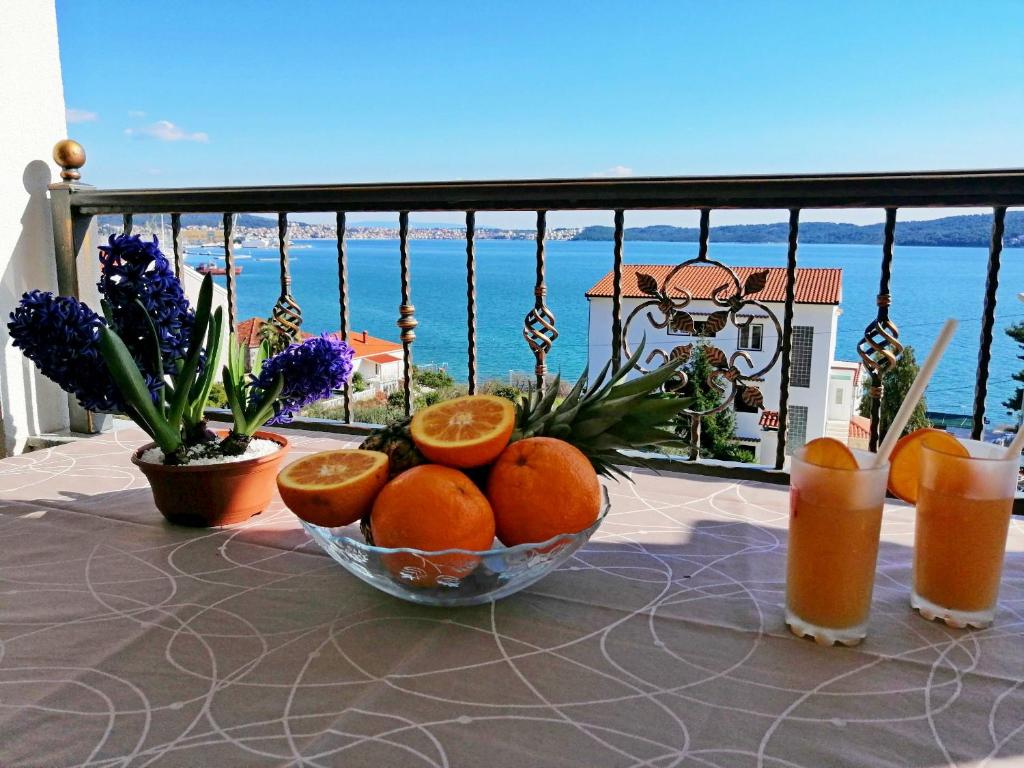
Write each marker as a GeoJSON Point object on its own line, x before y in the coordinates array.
{"type": "Point", "coordinates": [74, 205]}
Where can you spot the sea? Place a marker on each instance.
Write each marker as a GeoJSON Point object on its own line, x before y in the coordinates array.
{"type": "Point", "coordinates": [928, 285]}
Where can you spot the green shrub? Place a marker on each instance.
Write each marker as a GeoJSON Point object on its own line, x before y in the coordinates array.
{"type": "Point", "coordinates": [358, 382]}
{"type": "Point", "coordinates": [218, 397]}
{"type": "Point", "coordinates": [435, 379]}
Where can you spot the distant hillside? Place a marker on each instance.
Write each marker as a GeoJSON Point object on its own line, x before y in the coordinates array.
{"type": "Point", "coordinates": [151, 220]}
{"type": "Point", "coordinates": [973, 230]}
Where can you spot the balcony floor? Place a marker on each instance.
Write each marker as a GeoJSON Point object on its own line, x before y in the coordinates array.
{"type": "Point", "coordinates": [124, 640]}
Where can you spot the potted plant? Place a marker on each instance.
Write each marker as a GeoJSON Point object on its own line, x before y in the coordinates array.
{"type": "Point", "coordinates": [155, 359]}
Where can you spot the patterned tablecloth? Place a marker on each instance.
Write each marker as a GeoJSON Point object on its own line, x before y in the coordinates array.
{"type": "Point", "coordinates": [125, 641]}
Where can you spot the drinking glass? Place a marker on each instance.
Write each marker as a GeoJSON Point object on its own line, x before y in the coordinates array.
{"type": "Point", "coordinates": [835, 516]}
{"type": "Point", "coordinates": [963, 516]}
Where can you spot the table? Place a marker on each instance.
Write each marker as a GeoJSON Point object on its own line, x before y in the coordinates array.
{"type": "Point", "coordinates": [125, 641]}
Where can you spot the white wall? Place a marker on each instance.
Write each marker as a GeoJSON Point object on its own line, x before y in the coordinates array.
{"type": "Point", "coordinates": [31, 122]}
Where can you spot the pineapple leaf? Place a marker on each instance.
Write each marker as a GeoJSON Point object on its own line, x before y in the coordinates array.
{"type": "Point", "coordinates": [592, 427]}
{"type": "Point", "coordinates": [649, 381]}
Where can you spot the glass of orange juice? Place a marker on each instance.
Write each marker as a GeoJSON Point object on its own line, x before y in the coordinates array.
{"type": "Point", "coordinates": [835, 516]}
{"type": "Point", "coordinates": [964, 504]}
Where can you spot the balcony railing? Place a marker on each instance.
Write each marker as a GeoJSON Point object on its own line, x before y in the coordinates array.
{"type": "Point", "coordinates": [75, 204]}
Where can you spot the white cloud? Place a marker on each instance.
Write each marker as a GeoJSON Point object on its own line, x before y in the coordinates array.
{"type": "Point", "coordinates": [165, 130]}
{"type": "Point", "coordinates": [73, 115]}
{"type": "Point", "coordinates": [136, 113]}
{"type": "Point", "coordinates": [614, 171]}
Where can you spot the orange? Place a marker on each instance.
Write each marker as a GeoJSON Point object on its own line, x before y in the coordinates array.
{"type": "Point", "coordinates": [905, 461]}
{"type": "Point", "coordinates": [468, 431]}
{"type": "Point", "coordinates": [431, 507]}
{"type": "Point", "coordinates": [333, 488]}
{"type": "Point", "coordinates": [541, 487]}
{"type": "Point", "coordinates": [829, 452]}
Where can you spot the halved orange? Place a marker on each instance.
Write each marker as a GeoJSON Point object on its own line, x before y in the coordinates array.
{"type": "Point", "coordinates": [333, 488]}
{"type": "Point", "coordinates": [467, 431]}
{"type": "Point", "coordinates": [829, 452]}
{"type": "Point", "coordinates": [905, 461]}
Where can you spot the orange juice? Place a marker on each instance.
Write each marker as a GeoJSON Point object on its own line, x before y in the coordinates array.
{"type": "Point", "coordinates": [963, 516]}
{"type": "Point", "coordinates": [831, 568]}
{"type": "Point", "coordinates": [834, 524]}
{"type": "Point", "coordinates": [962, 571]}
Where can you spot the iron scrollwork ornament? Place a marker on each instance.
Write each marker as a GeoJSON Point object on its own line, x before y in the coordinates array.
{"type": "Point", "coordinates": [668, 308]}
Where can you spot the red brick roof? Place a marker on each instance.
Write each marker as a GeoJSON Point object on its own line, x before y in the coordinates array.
{"type": "Point", "coordinates": [383, 358]}
{"type": "Point", "coordinates": [769, 419]}
{"type": "Point", "coordinates": [362, 343]}
{"type": "Point", "coordinates": [813, 285]}
{"type": "Point", "coordinates": [860, 428]}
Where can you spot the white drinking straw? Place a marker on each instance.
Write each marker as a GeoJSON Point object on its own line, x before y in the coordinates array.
{"type": "Point", "coordinates": [1016, 445]}
{"type": "Point", "coordinates": [915, 392]}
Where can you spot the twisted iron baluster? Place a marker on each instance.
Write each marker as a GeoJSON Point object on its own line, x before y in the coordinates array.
{"type": "Point", "coordinates": [988, 319]}
{"type": "Point", "coordinates": [620, 219]}
{"type": "Point", "coordinates": [343, 297]}
{"type": "Point", "coordinates": [880, 348]}
{"type": "Point", "coordinates": [406, 312]}
{"type": "Point", "coordinates": [176, 243]}
{"type": "Point", "coordinates": [126, 223]}
{"type": "Point", "coordinates": [787, 337]}
{"type": "Point", "coordinates": [286, 316]}
{"type": "Point", "coordinates": [471, 296]}
{"type": "Point", "coordinates": [229, 270]}
{"type": "Point", "coordinates": [539, 326]}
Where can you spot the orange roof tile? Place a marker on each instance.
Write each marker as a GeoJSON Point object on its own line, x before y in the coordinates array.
{"type": "Point", "coordinates": [769, 419]}
{"type": "Point", "coordinates": [813, 285]}
{"type": "Point", "coordinates": [362, 343]}
{"type": "Point", "coordinates": [860, 428]}
{"type": "Point", "coordinates": [383, 358]}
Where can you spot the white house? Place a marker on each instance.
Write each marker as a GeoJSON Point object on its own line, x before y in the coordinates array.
{"type": "Point", "coordinates": [378, 361]}
{"type": "Point", "coordinates": [822, 390]}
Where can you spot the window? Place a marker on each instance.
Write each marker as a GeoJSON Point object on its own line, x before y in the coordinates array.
{"type": "Point", "coordinates": [796, 430]}
{"type": "Point", "coordinates": [800, 362]}
{"type": "Point", "coordinates": [699, 329]}
{"type": "Point", "coordinates": [751, 336]}
{"type": "Point", "coordinates": [839, 396]}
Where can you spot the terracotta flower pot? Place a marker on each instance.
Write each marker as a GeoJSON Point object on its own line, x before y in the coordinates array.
{"type": "Point", "coordinates": [214, 494]}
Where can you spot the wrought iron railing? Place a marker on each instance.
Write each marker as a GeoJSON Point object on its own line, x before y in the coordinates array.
{"type": "Point", "coordinates": [74, 205]}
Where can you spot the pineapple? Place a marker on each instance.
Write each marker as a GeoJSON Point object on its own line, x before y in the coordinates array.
{"type": "Point", "coordinates": [610, 415]}
{"type": "Point", "coordinates": [396, 441]}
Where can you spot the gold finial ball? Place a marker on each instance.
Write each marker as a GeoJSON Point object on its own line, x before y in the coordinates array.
{"type": "Point", "coordinates": [70, 156]}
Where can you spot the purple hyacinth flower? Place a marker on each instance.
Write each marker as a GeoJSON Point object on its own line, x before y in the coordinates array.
{"type": "Point", "coordinates": [131, 269]}
{"type": "Point", "coordinates": [311, 370]}
{"type": "Point", "coordinates": [61, 336]}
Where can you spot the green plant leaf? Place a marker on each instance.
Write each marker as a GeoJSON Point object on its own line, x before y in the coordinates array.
{"type": "Point", "coordinates": [132, 386]}
{"type": "Point", "coordinates": [201, 389]}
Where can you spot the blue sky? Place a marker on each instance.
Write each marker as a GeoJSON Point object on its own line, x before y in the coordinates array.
{"type": "Point", "coordinates": [227, 93]}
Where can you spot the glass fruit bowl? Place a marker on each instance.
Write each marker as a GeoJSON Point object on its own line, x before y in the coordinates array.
{"type": "Point", "coordinates": [452, 577]}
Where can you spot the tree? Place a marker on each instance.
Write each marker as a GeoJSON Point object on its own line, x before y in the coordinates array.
{"type": "Point", "coordinates": [1015, 404]}
{"type": "Point", "coordinates": [718, 430]}
{"type": "Point", "coordinates": [895, 385]}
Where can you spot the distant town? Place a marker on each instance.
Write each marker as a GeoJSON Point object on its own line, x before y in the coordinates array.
{"type": "Point", "coordinates": [252, 231]}
{"type": "Point", "coordinates": [972, 230]}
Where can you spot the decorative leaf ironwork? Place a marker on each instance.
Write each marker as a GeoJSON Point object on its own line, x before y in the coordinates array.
{"type": "Point", "coordinates": [752, 397]}
{"type": "Point", "coordinates": [681, 352]}
{"type": "Point", "coordinates": [716, 357]}
{"type": "Point", "coordinates": [755, 282]}
{"type": "Point", "coordinates": [647, 283]}
{"type": "Point", "coordinates": [681, 322]}
{"type": "Point", "coordinates": [716, 321]}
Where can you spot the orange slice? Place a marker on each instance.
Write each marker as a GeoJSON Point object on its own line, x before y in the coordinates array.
{"type": "Point", "coordinates": [333, 488]}
{"type": "Point", "coordinates": [829, 452]}
{"type": "Point", "coordinates": [905, 461]}
{"type": "Point", "coordinates": [468, 431]}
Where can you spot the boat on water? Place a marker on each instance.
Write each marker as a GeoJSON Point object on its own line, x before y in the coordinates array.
{"type": "Point", "coordinates": [254, 242]}
{"type": "Point", "coordinates": [212, 268]}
